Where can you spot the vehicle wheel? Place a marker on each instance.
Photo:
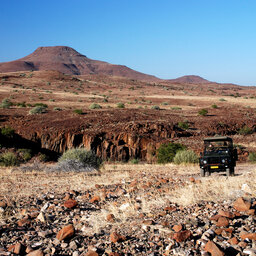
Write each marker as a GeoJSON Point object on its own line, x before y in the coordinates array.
{"type": "Point", "coordinates": [228, 172]}
{"type": "Point", "coordinates": [208, 173]}
{"type": "Point", "coordinates": [202, 171]}
{"type": "Point", "coordinates": [232, 171]}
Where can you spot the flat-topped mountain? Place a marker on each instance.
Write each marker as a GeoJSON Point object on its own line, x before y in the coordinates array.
{"type": "Point", "coordinates": [69, 61]}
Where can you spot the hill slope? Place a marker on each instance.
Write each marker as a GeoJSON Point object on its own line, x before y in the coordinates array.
{"type": "Point", "coordinates": [190, 80]}
{"type": "Point", "coordinates": [69, 61]}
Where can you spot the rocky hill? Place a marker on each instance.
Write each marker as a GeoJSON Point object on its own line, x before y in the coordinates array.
{"type": "Point", "coordinates": [69, 61]}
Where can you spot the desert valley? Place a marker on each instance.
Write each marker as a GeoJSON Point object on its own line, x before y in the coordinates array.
{"type": "Point", "coordinates": [57, 99]}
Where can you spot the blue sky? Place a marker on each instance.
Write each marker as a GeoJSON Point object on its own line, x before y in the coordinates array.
{"type": "Point", "coordinates": [215, 39]}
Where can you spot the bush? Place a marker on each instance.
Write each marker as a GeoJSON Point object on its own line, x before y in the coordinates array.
{"type": "Point", "coordinates": [176, 108]}
{"type": "Point", "coordinates": [21, 104]}
{"type": "Point", "coordinates": [78, 111]}
{"type": "Point", "coordinates": [6, 103]}
{"type": "Point", "coordinates": [245, 130]}
{"type": "Point", "coordinates": [25, 154]}
{"type": "Point", "coordinates": [221, 99]}
{"type": "Point", "coordinates": [95, 106]}
{"type": "Point", "coordinates": [38, 110]}
{"type": "Point", "coordinates": [40, 105]}
{"type": "Point", "coordinates": [43, 157]}
{"type": "Point", "coordinates": [57, 109]}
{"type": "Point", "coordinates": [185, 156]}
{"type": "Point", "coordinates": [120, 105]}
{"type": "Point", "coordinates": [203, 112]}
{"type": "Point", "coordinates": [7, 131]}
{"type": "Point", "coordinates": [252, 156]}
{"type": "Point", "coordinates": [183, 125]}
{"type": "Point", "coordinates": [79, 157]}
{"type": "Point", "coordinates": [8, 159]}
{"type": "Point", "coordinates": [155, 107]}
{"type": "Point", "coordinates": [167, 152]}
{"type": "Point", "coordinates": [134, 161]}
{"type": "Point", "coordinates": [214, 106]}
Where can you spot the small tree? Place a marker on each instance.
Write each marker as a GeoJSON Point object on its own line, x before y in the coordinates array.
{"type": "Point", "coordinates": [185, 156]}
{"type": "Point", "coordinates": [38, 110]}
{"type": "Point", "coordinates": [167, 152]}
{"type": "Point", "coordinates": [95, 106]}
{"type": "Point", "coordinates": [120, 105]}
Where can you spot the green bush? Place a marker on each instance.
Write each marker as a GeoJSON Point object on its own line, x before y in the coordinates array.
{"type": "Point", "coordinates": [245, 130]}
{"type": "Point", "coordinates": [43, 157]}
{"type": "Point", "coordinates": [8, 159]}
{"type": "Point", "coordinates": [214, 106]}
{"type": "Point", "coordinates": [95, 106]}
{"type": "Point", "coordinates": [21, 104]}
{"type": "Point", "coordinates": [7, 131]}
{"type": "Point", "coordinates": [185, 156]}
{"type": "Point", "coordinates": [203, 112]}
{"type": "Point", "coordinates": [155, 107]}
{"type": "Point", "coordinates": [176, 108]}
{"type": "Point", "coordinates": [6, 103]}
{"type": "Point", "coordinates": [167, 152]}
{"type": "Point", "coordinates": [252, 156]}
{"type": "Point", "coordinates": [134, 161]}
{"type": "Point", "coordinates": [25, 154]}
{"type": "Point", "coordinates": [40, 105]}
{"type": "Point", "coordinates": [38, 110]}
{"type": "Point", "coordinates": [120, 105]}
{"type": "Point", "coordinates": [78, 111]}
{"type": "Point", "coordinates": [83, 156]}
{"type": "Point", "coordinates": [183, 125]}
{"type": "Point", "coordinates": [165, 103]}
{"type": "Point", "coordinates": [221, 99]}
{"type": "Point", "coordinates": [57, 109]}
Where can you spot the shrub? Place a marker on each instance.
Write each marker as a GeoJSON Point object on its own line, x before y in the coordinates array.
{"type": "Point", "coordinates": [134, 161]}
{"type": "Point", "coordinates": [8, 159]}
{"type": "Point", "coordinates": [78, 111]}
{"type": "Point", "coordinates": [252, 156]}
{"type": "Point", "coordinates": [38, 110]}
{"type": "Point", "coordinates": [167, 152]}
{"type": "Point", "coordinates": [57, 109]}
{"type": "Point", "coordinates": [120, 105]}
{"type": "Point", "coordinates": [176, 108]}
{"type": "Point", "coordinates": [7, 131]}
{"type": "Point", "coordinates": [81, 157]}
{"type": "Point", "coordinates": [165, 103]}
{"type": "Point", "coordinates": [95, 106]}
{"type": "Point", "coordinates": [214, 106]}
{"type": "Point", "coordinates": [25, 154]}
{"type": "Point", "coordinates": [43, 157]}
{"type": "Point", "coordinates": [6, 103]}
{"type": "Point", "coordinates": [155, 107]}
{"type": "Point", "coordinates": [245, 130]}
{"type": "Point", "coordinates": [185, 156]}
{"type": "Point", "coordinates": [221, 99]}
{"type": "Point", "coordinates": [183, 125]}
{"type": "Point", "coordinates": [21, 104]}
{"type": "Point", "coordinates": [40, 105]}
{"type": "Point", "coordinates": [203, 112]}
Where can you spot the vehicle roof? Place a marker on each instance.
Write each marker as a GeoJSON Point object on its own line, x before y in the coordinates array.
{"type": "Point", "coordinates": [219, 138]}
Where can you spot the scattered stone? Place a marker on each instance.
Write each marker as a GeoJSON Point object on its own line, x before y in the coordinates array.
{"type": "Point", "coordinates": [66, 232]}
{"type": "Point", "coordinates": [70, 204]}
{"type": "Point", "coordinates": [177, 228]}
{"type": "Point", "coordinates": [251, 236]}
{"type": "Point", "coordinates": [110, 217]}
{"type": "Point", "coordinates": [182, 236]}
{"type": "Point", "coordinates": [36, 253]}
{"type": "Point", "coordinates": [115, 237]}
{"type": "Point", "coordinates": [94, 199]}
{"type": "Point", "coordinates": [222, 222]}
{"type": "Point", "coordinates": [213, 249]}
{"type": "Point", "coordinates": [242, 205]}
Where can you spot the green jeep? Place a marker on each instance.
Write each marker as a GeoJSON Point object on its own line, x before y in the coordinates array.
{"type": "Point", "coordinates": [219, 155]}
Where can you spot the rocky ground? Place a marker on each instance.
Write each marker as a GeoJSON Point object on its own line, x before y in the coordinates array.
{"type": "Point", "coordinates": [128, 210]}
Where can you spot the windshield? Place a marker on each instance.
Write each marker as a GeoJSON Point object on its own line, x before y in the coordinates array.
{"type": "Point", "coordinates": [217, 146]}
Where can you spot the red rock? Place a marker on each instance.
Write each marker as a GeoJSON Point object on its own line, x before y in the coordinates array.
{"type": "Point", "coordinates": [213, 249]}
{"type": "Point", "coordinates": [36, 253]}
{"type": "Point", "coordinates": [3, 204]}
{"type": "Point", "coordinates": [251, 212]}
{"type": "Point", "coordinates": [17, 248]}
{"type": "Point", "coordinates": [94, 199]}
{"type": "Point", "coordinates": [218, 231]}
{"type": "Point", "coordinates": [242, 244]}
{"type": "Point", "coordinates": [67, 197]}
{"type": "Point", "coordinates": [233, 241]}
{"type": "Point", "coordinates": [114, 254]}
{"type": "Point", "coordinates": [170, 208]}
{"type": "Point", "coordinates": [222, 222]}
{"type": "Point", "coordinates": [215, 217]}
{"type": "Point", "coordinates": [148, 222]}
{"type": "Point", "coordinates": [192, 179]}
{"type": "Point", "coordinates": [70, 204]}
{"type": "Point", "coordinates": [226, 214]}
{"type": "Point", "coordinates": [66, 232]}
{"type": "Point", "coordinates": [91, 253]}
{"type": "Point", "coordinates": [251, 236]}
{"type": "Point", "coordinates": [177, 228]}
{"type": "Point", "coordinates": [23, 222]}
{"type": "Point", "coordinates": [115, 237]}
{"type": "Point", "coordinates": [242, 205]}
{"type": "Point", "coordinates": [182, 236]}
{"type": "Point", "coordinates": [111, 218]}
{"type": "Point", "coordinates": [97, 186]}
{"type": "Point", "coordinates": [198, 181]}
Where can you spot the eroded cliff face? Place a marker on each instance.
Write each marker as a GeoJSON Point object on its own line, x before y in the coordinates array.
{"type": "Point", "coordinates": [137, 141]}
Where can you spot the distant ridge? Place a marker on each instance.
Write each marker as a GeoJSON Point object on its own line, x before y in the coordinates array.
{"type": "Point", "coordinates": [67, 60]}
{"type": "Point", "coordinates": [190, 80]}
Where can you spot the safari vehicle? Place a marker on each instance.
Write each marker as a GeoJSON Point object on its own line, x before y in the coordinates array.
{"type": "Point", "coordinates": [219, 155]}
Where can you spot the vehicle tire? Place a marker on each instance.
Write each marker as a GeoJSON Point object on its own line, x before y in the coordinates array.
{"type": "Point", "coordinates": [202, 171]}
{"type": "Point", "coordinates": [208, 173]}
{"type": "Point", "coordinates": [228, 172]}
{"type": "Point", "coordinates": [232, 169]}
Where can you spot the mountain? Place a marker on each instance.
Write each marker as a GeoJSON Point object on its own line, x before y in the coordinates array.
{"type": "Point", "coordinates": [69, 61]}
{"type": "Point", "coordinates": [190, 80]}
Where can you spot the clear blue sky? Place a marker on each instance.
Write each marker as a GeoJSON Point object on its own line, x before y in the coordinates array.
{"type": "Point", "coordinates": [215, 39]}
